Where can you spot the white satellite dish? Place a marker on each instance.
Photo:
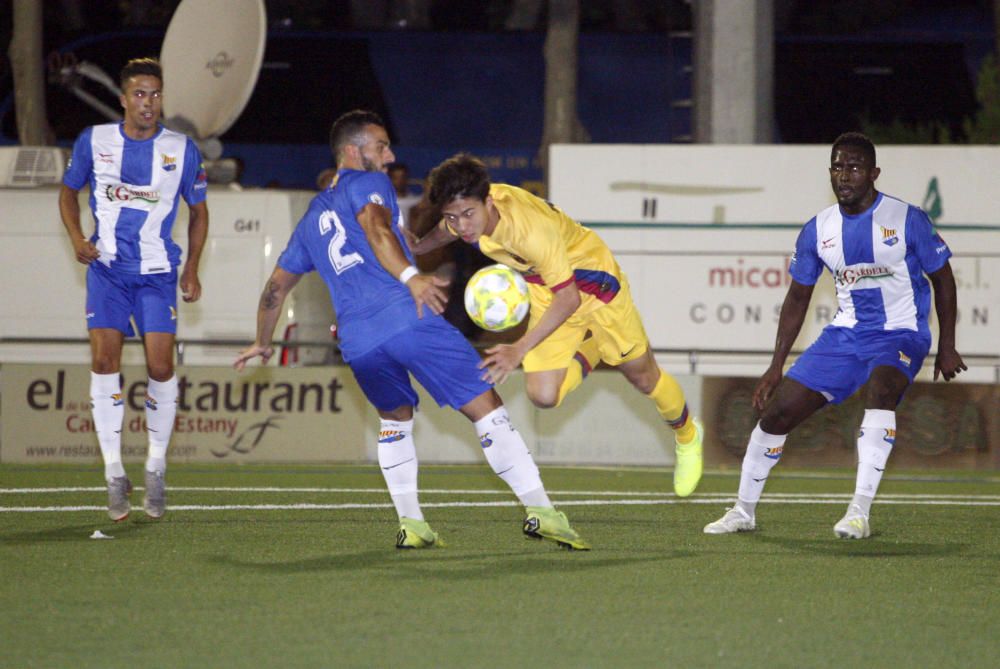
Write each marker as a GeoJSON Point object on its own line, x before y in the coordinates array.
{"type": "Point", "coordinates": [211, 57]}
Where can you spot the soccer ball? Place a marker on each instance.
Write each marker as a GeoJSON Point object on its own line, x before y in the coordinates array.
{"type": "Point", "coordinates": [496, 298]}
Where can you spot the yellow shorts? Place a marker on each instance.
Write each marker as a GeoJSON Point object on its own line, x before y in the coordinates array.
{"type": "Point", "coordinates": [616, 326]}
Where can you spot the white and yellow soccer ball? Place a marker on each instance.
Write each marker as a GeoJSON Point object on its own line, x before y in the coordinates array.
{"type": "Point", "coordinates": [496, 298]}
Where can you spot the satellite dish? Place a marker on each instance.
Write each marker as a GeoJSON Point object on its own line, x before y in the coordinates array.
{"type": "Point", "coordinates": [211, 57]}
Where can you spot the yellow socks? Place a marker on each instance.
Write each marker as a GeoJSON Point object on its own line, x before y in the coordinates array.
{"type": "Point", "coordinates": [579, 367]}
{"type": "Point", "coordinates": [669, 400]}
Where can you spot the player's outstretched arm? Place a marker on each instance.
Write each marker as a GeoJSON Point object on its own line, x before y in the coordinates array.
{"type": "Point", "coordinates": [69, 211]}
{"type": "Point", "coordinates": [440, 235]}
{"type": "Point", "coordinates": [197, 234]}
{"type": "Point", "coordinates": [502, 359]}
{"type": "Point", "coordinates": [947, 363]}
{"type": "Point", "coordinates": [793, 314]}
{"type": "Point", "coordinates": [427, 291]}
{"type": "Point", "coordinates": [268, 313]}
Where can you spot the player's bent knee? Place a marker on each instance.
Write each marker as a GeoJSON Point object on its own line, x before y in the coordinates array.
{"type": "Point", "coordinates": [776, 423]}
{"type": "Point", "coordinates": [544, 398]}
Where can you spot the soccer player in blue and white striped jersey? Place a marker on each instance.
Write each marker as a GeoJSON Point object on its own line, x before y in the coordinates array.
{"type": "Point", "coordinates": [136, 170]}
{"type": "Point", "coordinates": [878, 249]}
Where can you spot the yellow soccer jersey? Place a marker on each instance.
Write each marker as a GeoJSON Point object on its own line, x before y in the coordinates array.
{"type": "Point", "coordinates": [550, 248]}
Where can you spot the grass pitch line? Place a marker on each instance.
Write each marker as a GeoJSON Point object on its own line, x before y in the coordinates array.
{"type": "Point", "coordinates": [575, 493]}
{"type": "Point", "coordinates": [767, 499]}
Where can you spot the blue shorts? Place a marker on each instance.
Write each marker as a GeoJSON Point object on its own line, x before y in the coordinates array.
{"type": "Point", "coordinates": [113, 298]}
{"type": "Point", "coordinates": [842, 360]}
{"type": "Point", "coordinates": [437, 355]}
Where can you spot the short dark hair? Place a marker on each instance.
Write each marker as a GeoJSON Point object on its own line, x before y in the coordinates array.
{"type": "Point", "coordinates": [857, 140]}
{"type": "Point", "coordinates": [398, 167]}
{"type": "Point", "coordinates": [140, 66]}
{"type": "Point", "coordinates": [348, 128]}
{"type": "Point", "coordinates": [462, 175]}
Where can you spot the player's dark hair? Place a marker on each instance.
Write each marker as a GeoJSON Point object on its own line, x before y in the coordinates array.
{"type": "Point", "coordinates": [349, 128]}
{"type": "Point", "coordinates": [140, 66]}
{"type": "Point", "coordinates": [858, 141]}
{"type": "Point", "coordinates": [462, 175]}
{"type": "Point", "coordinates": [398, 167]}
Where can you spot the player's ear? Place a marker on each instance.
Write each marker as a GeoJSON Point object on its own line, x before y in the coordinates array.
{"type": "Point", "coordinates": [875, 172]}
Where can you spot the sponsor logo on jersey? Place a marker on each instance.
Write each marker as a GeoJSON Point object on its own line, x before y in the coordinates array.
{"type": "Point", "coordinates": [108, 158]}
{"type": "Point", "coordinates": [851, 275]}
{"type": "Point", "coordinates": [376, 198]}
{"type": "Point", "coordinates": [169, 162]}
{"type": "Point", "coordinates": [829, 243]}
{"type": "Point", "coordinates": [774, 453]}
{"type": "Point", "coordinates": [889, 236]}
{"type": "Point", "coordinates": [126, 193]}
{"type": "Point", "coordinates": [903, 358]}
{"type": "Point", "coordinates": [890, 437]}
{"type": "Point", "coordinates": [389, 436]}
{"type": "Point", "coordinates": [485, 441]}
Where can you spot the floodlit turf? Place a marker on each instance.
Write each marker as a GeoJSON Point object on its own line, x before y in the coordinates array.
{"type": "Point", "coordinates": [323, 586]}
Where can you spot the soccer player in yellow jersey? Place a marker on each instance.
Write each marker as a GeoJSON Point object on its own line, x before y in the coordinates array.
{"type": "Point", "coordinates": [576, 287]}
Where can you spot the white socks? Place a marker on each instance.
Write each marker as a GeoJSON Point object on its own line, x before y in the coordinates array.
{"type": "Point", "coordinates": [510, 458]}
{"type": "Point", "coordinates": [503, 446]}
{"type": "Point", "coordinates": [161, 409]}
{"type": "Point", "coordinates": [108, 409]}
{"type": "Point", "coordinates": [397, 457]}
{"type": "Point", "coordinates": [763, 453]}
{"type": "Point", "coordinates": [875, 442]}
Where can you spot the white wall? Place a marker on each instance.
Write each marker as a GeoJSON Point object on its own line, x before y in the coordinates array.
{"type": "Point", "coordinates": [45, 288]}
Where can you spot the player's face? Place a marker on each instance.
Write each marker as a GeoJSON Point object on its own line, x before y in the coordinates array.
{"type": "Point", "coordinates": [375, 152]}
{"type": "Point", "coordinates": [142, 101]}
{"type": "Point", "coordinates": [852, 177]}
{"type": "Point", "coordinates": [469, 217]}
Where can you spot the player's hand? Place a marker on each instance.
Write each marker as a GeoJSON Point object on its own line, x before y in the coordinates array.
{"type": "Point", "coordinates": [948, 363]}
{"type": "Point", "coordinates": [428, 290]}
{"type": "Point", "coordinates": [190, 285]}
{"type": "Point", "coordinates": [251, 352]}
{"type": "Point", "coordinates": [499, 362]}
{"type": "Point", "coordinates": [768, 382]}
{"type": "Point", "coordinates": [85, 251]}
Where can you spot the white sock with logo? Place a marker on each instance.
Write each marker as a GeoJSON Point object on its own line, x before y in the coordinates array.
{"type": "Point", "coordinates": [875, 442]}
{"type": "Point", "coordinates": [161, 409]}
{"type": "Point", "coordinates": [510, 458]}
{"type": "Point", "coordinates": [397, 458]}
{"type": "Point", "coordinates": [108, 410]}
{"type": "Point", "coordinates": [763, 453]}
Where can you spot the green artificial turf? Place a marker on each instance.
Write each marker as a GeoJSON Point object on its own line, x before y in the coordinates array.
{"type": "Point", "coordinates": [325, 587]}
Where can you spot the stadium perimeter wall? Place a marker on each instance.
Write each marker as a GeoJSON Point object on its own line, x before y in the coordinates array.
{"type": "Point", "coordinates": [319, 415]}
{"type": "Point", "coordinates": [705, 234]}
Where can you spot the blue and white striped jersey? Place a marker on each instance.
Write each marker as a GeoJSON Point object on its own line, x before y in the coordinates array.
{"type": "Point", "coordinates": [878, 259]}
{"type": "Point", "coordinates": [134, 186]}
